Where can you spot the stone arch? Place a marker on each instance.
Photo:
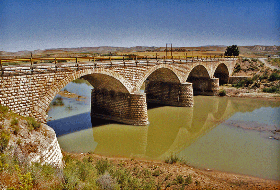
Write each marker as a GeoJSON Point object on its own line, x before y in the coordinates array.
{"type": "Point", "coordinates": [159, 70]}
{"type": "Point", "coordinates": [222, 72]}
{"type": "Point", "coordinates": [199, 71]}
{"type": "Point", "coordinates": [200, 79]}
{"type": "Point", "coordinates": [60, 80]}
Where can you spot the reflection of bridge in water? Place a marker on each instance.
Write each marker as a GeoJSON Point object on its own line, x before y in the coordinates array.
{"type": "Point", "coordinates": [172, 129]}
{"type": "Point", "coordinates": [28, 90]}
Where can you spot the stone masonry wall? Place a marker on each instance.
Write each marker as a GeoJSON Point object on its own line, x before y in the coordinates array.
{"type": "Point", "coordinates": [236, 79]}
{"type": "Point", "coordinates": [205, 86]}
{"type": "Point", "coordinates": [121, 107]}
{"type": "Point", "coordinates": [168, 93]}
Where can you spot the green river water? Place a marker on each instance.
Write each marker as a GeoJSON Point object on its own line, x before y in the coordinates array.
{"type": "Point", "coordinates": [221, 133]}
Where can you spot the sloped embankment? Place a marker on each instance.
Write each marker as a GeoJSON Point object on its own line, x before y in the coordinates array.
{"type": "Point", "coordinates": [28, 140]}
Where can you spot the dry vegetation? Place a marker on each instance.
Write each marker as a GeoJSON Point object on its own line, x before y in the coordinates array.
{"type": "Point", "coordinates": [261, 80]}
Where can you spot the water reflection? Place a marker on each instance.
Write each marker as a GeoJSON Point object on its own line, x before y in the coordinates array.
{"type": "Point", "coordinates": [171, 129]}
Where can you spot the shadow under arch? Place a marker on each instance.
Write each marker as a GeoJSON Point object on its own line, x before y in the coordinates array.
{"type": "Point", "coordinates": [52, 88]}
{"type": "Point", "coordinates": [162, 86]}
{"type": "Point", "coordinates": [222, 73]}
{"type": "Point", "coordinates": [200, 79]}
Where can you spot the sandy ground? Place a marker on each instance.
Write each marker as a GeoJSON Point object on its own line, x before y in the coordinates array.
{"type": "Point", "coordinates": [201, 179]}
{"type": "Point", "coordinates": [68, 94]}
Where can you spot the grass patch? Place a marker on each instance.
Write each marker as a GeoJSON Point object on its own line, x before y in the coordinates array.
{"type": "Point", "coordinates": [173, 158]}
{"type": "Point", "coordinates": [4, 140]}
{"type": "Point", "coordinates": [58, 101]}
{"type": "Point", "coordinates": [32, 123]}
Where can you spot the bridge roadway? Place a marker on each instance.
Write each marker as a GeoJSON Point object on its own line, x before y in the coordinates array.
{"type": "Point", "coordinates": [117, 94]}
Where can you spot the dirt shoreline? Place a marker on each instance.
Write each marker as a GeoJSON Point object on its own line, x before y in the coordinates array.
{"type": "Point", "coordinates": [249, 93]}
{"type": "Point", "coordinates": [201, 178]}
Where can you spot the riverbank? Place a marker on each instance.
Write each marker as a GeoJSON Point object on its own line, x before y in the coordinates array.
{"type": "Point", "coordinates": [249, 93]}
{"type": "Point", "coordinates": [179, 175]}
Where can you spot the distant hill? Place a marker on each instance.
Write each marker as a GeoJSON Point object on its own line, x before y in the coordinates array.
{"type": "Point", "coordinates": [91, 51]}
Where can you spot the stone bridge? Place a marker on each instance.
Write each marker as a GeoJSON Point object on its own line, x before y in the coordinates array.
{"type": "Point", "coordinates": [118, 86]}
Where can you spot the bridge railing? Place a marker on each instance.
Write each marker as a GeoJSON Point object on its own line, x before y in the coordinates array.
{"type": "Point", "coordinates": [44, 65]}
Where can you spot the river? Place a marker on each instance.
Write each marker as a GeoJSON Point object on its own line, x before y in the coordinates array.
{"type": "Point", "coordinates": [220, 133]}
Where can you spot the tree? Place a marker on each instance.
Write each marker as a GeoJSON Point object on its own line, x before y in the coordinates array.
{"type": "Point", "coordinates": [232, 51]}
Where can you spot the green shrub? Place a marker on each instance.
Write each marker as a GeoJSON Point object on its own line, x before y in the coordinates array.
{"type": "Point", "coordinates": [222, 93]}
{"type": "Point", "coordinates": [274, 76]}
{"type": "Point", "coordinates": [179, 179]}
{"type": "Point", "coordinates": [4, 140]}
{"type": "Point", "coordinates": [244, 83]}
{"type": "Point", "coordinates": [4, 110]}
{"type": "Point", "coordinates": [172, 159]}
{"type": "Point", "coordinates": [188, 179]}
{"type": "Point", "coordinates": [237, 68]}
{"type": "Point", "coordinates": [102, 166]}
{"type": "Point", "coordinates": [58, 101]}
{"type": "Point", "coordinates": [271, 89]}
{"type": "Point", "coordinates": [14, 121]}
{"type": "Point", "coordinates": [32, 123]}
{"type": "Point", "coordinates": [157, 172]}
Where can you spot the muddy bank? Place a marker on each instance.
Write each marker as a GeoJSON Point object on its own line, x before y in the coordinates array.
{"type": "Point", "coordinates": [271, 131]}
{"type": "Point", "coordinates": [68, 94]}
{"type": "Point", "coordinates": [249, 93]}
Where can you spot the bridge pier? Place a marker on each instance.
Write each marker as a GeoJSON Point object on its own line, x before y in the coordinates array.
{"type": "Point", "coordinates": [118, 106]}
{"type": "Point", "coordinates": [169, 93]}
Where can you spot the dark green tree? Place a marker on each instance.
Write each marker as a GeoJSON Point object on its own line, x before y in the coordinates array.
{"type": "Point", "coordinates": [232, 51]}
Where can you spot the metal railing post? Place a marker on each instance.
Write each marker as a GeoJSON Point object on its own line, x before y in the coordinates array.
{"type": "Point", "coordinates": [31, 65]}
{"type": "Point", "coordinates": [111, 62]}
{"type": "Point", "coordinates": [55, 64]}
{"type": "Point", "coordinates": [2, 71]}
{"type": "Point", "coordinates": [136, 62]}
{"type": "Point", "coordinates": [77, 64]}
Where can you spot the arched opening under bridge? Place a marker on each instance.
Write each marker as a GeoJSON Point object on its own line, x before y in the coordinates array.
{"type": "Point", "coordinates": [200, 79]}
{"type": "Point", "coordinates": [162, 86]}
{"type": "Point", "coordinates": [222, 73]}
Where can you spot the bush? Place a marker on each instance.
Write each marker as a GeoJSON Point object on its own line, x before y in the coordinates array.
{"type": "Point", "coordinates": [14, 121]}
{"type": "Point", "coordinates": [102, 166]}
{"type": "Point", "coordinates": [3, 110]}
{"type": "Point", "coordinates": [274, 76]}
{"type": "Point", "coordinates": [4, 140]}
{"type": "Point", "coordinates": [32, 123]}
{"type": "Point", "coordinates": [245, 82]}
{"type": "Point", "coordinates": [188, 179]}
{"type": "Point", "coordinates": [106, 182]}
{"type": "Point", "coordinates": [58, 101]}
{"type": "Point", "coordinates": [172, 159]}
{"type": "Point", "coordinates": [237, 68]}
{"type": "Point", "coordinates": [271, 89]}
{"type": "Point", "coordinates": [232, 51]}
{"type": "Point", "coordinates": [222, 93]}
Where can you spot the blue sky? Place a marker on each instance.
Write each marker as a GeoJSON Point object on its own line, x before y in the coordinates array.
{"type": "Point", "coordinates": [38, 24]}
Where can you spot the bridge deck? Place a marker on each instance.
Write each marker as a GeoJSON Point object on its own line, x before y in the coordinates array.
{"type": "Point", "coordinates": [25, 69]}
